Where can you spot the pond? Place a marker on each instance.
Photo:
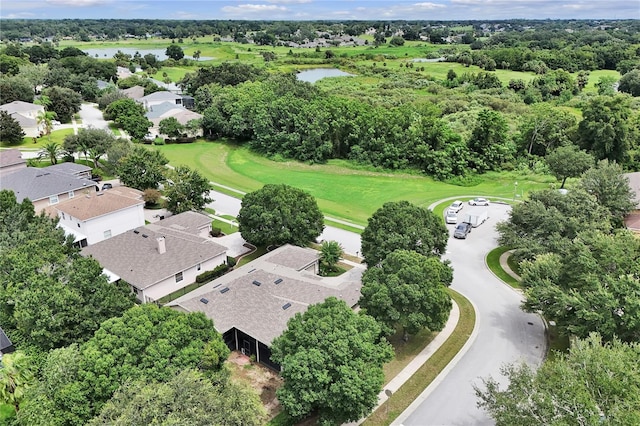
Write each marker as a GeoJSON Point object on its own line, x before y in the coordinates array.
{"type": "Point", "coordinates": [108, 52]}
{"type": "Point", "coordinates": [429, 59]}
{"type": "Point", "coordinates": [316, 74]}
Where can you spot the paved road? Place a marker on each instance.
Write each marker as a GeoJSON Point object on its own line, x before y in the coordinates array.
{"type": "Point", "coordinates": [504, 333]}
{"type": "Point", "coordinates": [92, 117]}
{"type": "Point", "coordinates": [226, 205]}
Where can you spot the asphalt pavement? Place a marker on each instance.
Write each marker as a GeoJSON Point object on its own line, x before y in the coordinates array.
{"type": "Point", "coordinates": [92, 117]}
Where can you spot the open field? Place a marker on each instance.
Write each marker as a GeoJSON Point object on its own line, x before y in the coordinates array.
{"type": "Point", "coordinates": [342, 190]}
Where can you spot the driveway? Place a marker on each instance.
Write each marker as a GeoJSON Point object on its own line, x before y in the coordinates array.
{"type": "Point", "coordinates": [504, 333]}
{"type": "Point", "coordinates": [92, 117]}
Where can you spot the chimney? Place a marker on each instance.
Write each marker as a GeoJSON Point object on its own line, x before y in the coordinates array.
{"type": "Point", "coordinates": [161, 246]}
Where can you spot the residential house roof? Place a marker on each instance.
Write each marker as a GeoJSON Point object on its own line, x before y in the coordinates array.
{"type": "Point", "coordinates": [183, 117]}
{"type": "Point", "coordinates": [23, 121]}
{"type": "Point", "coordinates": [159, 110]}
{"type": "Point", "coordinates": [134, 255]}
{"type": "Point", "coordinates": [161, 96]}
{"type": "Point", "coordinates": [37, 184]}
{"type": "Point", "coordinates": [20, 106]}
{"type": "Point", "coordinates": [189, 222]}
{"type": "Point", "coordinates": [95, 204]}
{"type": "Point", "coordinates": [260, 297]}
{"type": "Point", "coordinates": [135, 92]}
{"type": "Point", "coordinates": [11, 157]}
{"type": "Point", "coordinates": [68, 168]}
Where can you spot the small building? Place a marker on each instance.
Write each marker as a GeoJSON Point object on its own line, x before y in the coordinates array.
{"type": "Point", "coordinates": [632, 221]}
{"type": "Point", "coordinates": [49, 185]}
{"type": "Point", "coordinates": [135, 92]}
{"type": "Point", "coordinates": [160, 258]}
{"type": "Point", "coordinates": [26, 114]}
{"type": "Point", "coordinates": [157, 98]}
{"type": "Point", "coordinates": [97, 216]}
{"type": "Point", "coordinates": [157, 113]}
{"type": "Point", "coordinates": [251, 305]}
{"type": "Point", "coordinates": [11, 161]}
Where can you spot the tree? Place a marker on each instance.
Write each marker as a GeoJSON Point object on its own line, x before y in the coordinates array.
{"type": "Point", "coordinates": [130, 116]}
{"type": "Point", "coordinates": [151, 196]}
{"type": "Point", "coordinates": [171, 127]}
{"type": "Point", "coordinates": [64, 102]}
{"type": "Point", "coordinates": [196, 55]}
{"type": "Point", "coordinates": [588, 285]}
{"type": "Point", "coordinates": [402, 225]}
{"type": "Point", "coordinates": [408, 290]}
{"type": "Point", "coordinates": [16, 376]}
{"type": "Point", "coordinates": [630, 83]}
{"type": "Point", "coordinates": [545, 129]}
{"type": "Point", "coordinates": [186, 399]}
{"type": "Point", "coordinates": [174, 52]}
{"type": "Point", "coordinates": [568, 161]}
{"type": "Point", "coordinates": [15, 89]}
{"type": "Point", "coordinates": [604, 129]}
{"type": "Point", "coordinates": [189, 190]}
{"type": "Point", "coordinates": [142, 168]}
{"type": "Point", "coordinates": [331, 361]}
{"type": "Point", "coordinates": [489, 143]}
{"type": "Point", "coordinates": [95, 142]}
{"type": "Point", "coordinates": [35, 74]}
{"type": "Point", "coordinates": [330, 254]}
{"type": "Point", "coordinates": [594, 384]}
{"type": "Point", "coordinates": [10, 130]}
{"type": "Point", "coordinates": [280, 214]}
{"type": "Point", "coordinates": [396, 41]}
{"type": "Point", "coordinates": [548, 220]}
{"type": "Point", "coordinates": [51, 151]}
{"type": "Point", "coordinates": [46, 118]}
{"type": "Point", "coordinates": [610, 186]}
{"type": "Point", "coordinates": [119, 149]}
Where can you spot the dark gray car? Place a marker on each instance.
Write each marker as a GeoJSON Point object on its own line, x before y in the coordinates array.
{"type": "Point", "coordinates": [462, 230]}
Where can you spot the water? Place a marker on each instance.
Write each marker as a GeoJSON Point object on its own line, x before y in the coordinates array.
{"type": "Point", "coordinates": [316, 74]}
{"type": "Point", "coordinates": [428, 59]}
{"type": "Point", "coordinates": [108, 52]}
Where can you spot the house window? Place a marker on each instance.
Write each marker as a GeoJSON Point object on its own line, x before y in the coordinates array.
{"type": "Point", "coordinates": [107, 233]}
{"type": "Point", "coordinates": [199, 266]}
{"type": "Point", "coordinates": [179, 277]}
{"type": "Point", "coordinates": [135, 290]}
{"type": "Point", "coordinates": [71, 194]}
{"type": "Point", "coordinates": [63, 216]}
{"type": "Point", "coordinates": [53, 199]}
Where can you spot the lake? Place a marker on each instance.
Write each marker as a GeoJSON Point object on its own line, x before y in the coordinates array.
{"type": "Point", "coordinates": [108, 52]}
{"type": "Point", "coordinates": [316, 74]}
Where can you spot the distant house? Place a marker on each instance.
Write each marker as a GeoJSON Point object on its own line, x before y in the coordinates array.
{"type": "Point", "coordinates": [157, 98]}
{"type": "Point", "coordinates": [26, 114]}
{"type": "Point", "coordinates": [171, 87]}
{"type": "Point", "coordinates": [97, 216]}
{"type": "Point", "coordinates": [251, 305]}
{"type": "Point", "coordinates": [135, 92]}
{"type": "Point", "coordinates": [49, 185]}
{"type": "Point", "coordinates": [157, 113]}
{"type": "Point", "coordinates": [10, 161]}
{"type": "Point", "coordinates": [160, 258]}
{"type": "Point", "coordinates": [633, 219]}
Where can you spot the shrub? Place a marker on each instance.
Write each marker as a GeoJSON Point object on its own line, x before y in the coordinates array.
{"type": "Point", "coordinates": [218, 271]}
{"type": "Point", "coordinates": [231, 261]}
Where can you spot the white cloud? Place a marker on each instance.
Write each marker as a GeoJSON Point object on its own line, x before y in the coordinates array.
{"type": "Point", "coordinates": [289, 1]}
{"type": "Point", "coordinates": [19, 15]}
{"type": "Point", "coordinates": [21, 5]}
{"type": "Point", "coordinates": [79, 3]}
{"type": "Point", "coordinates": [427, 6]}
{"type": "Point", "coordinates": [253, 8]}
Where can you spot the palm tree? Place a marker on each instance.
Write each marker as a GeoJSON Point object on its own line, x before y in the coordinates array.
{"type": "Point", "coordinates": [52, 150]}
{"type": "Point", "coordinates": [46, 118]}
{"type": "Point", "coordinates": [330, 254]}
{"type": "Point", "coordinates": [15, 377]}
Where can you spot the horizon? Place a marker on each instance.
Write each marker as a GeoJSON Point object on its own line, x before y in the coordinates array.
{"type": "Point", "coordinates": [320, 10]}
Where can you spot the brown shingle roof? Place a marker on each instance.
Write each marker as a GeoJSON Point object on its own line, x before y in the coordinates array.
{"type": "Point", "coordinates": [96, 204]}
{"type": "Point", "coordinates": [11, 157]}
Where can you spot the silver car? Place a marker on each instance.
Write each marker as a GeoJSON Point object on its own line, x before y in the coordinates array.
{"type": "Point", "coordinates": [451, 217]}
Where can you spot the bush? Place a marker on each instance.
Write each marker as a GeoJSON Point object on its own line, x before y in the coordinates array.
{"type": "Point", "coordinates": [216, 232]}
{"type": "Point", "coordinates": [218, 271]}
{"type": "Point", "coordinates": [231, 261]}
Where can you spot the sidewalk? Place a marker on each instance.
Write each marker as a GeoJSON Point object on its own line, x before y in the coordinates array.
{"type": "Point", "coordinates": [411, 368]}
{"type": "Point", "coordinates": [504, 264]}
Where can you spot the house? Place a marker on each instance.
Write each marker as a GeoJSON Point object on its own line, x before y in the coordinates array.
{"type": "Point", "coordinates": [633, 219]}
{"type": "Point", "coordinates": [26, 114]}
{"type": "Point", "coordinates": [160, 258]}
{"type": "Point", "coordinates": [96, 216]}
{"type": "Point", "coordinates": [251, 305]}
{"type": "Point", "coordinates": [79, 171]}
{"type": "Point", "coordinates": [10, 161]}
{"type": "Point", "coordinates": [135, 92]}
{"type": "Point", "coordinates": [171, 87]}
{"type": "Point", "coordinates": [159, 112]}
{"type": "Point", "coordinates": [157, 98]}
{"type": "Point", "coordinates": [49, 185]}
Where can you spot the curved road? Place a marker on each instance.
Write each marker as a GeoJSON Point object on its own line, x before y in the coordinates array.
{"type": "Point", "coordinates": [503, 332]}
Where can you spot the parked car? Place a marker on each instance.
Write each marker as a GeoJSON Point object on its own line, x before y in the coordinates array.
{"type": "Point", "coordinates": [456, 206]}
{"type": "Point", "coordinates": [479, 202]}
{"type": "Point", "coordinates": [462, 230]}
{"type": "Point", "coordinates": [106, 186]}
{"type": "Point", "coordinates": [451, 217]}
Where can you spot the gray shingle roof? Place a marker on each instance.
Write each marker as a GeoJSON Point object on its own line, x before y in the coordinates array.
{"type": "Point", "coordinates": [37, 184]}
{"type": "Point", "coordinates": [258, 309]}
{"type": "Point", "coordinates": [11, 157]}
{"type": "Point", "coordinates": [69, 168]}
{"type": "Point", "coordinates": [5, 342]}
{"type": "Point", "coordinates": [161, 96]}
{"type": "Point", "coordinates": [135, 258]}
{"type": "Point", "coordinates": [20, 106]}
{"type": "Point", "coordinates": [156, 111]}
{"type": "Point", "coordinates": [189, 222]}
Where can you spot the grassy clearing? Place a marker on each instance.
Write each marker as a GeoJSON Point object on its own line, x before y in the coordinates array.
{"type": "Point", "coordinates": [400, 400]}
{"type": "Point", "coordinates": [404, 352]}
{"type": "Point", "coordinates": [27, 142]}
{"type": "Point", "coordinates": [493, 262]}
{"type": "Point", "coordinates": [343, 190]}
{"type": "Point", "coordinates": [224, 227]}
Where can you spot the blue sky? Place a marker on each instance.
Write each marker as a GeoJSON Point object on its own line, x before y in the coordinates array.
{"type": "Point", "coordinates": [321, 9]}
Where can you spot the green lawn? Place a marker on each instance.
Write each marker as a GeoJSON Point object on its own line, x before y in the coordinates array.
{"type": "Point", "coordinates": [27, 142]}
{"type": "Point", "coordinates": [493, 262]}
{"type": "Point", "coordinates": [342, 190]}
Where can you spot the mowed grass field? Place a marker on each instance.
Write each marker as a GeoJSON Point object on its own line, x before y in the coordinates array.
{"type": "Point", "coordinates": [342, 190]}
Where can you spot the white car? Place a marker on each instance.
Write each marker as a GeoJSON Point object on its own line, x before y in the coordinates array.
{"type": "Point", "coordinates": [479, 202]}
{"type": "Point", "coordinates": [456, 206]}
{"type": "Point", "coordinates": [451, 217]}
